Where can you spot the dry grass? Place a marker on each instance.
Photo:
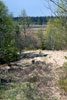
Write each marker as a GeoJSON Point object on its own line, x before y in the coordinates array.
{"type": "Point", "coordinates": [42, 77]}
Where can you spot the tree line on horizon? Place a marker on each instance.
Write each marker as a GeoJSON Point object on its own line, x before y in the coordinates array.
{"type": "Point", "coordinates": [35, 20]}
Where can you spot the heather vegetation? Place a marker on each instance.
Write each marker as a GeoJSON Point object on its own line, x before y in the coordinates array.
{"type": "Point", "coordinates": [63, 79]}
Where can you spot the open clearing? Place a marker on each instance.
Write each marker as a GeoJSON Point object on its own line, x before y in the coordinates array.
{"type": "Point", "coordinates": [36, 71]}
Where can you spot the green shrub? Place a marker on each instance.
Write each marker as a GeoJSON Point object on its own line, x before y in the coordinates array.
{"type": "Point", "coordinates": [31, 92]}
{"type": "Point", "coordinates": [65, 57]}
{"type": "Point", "coordinates": [42, 45]}
{"type": "Point", "coordinates": [31, 47]}
{"type": "Point", "coordinates": [65, 69]}
{"type": "Point", "coordinates": [9, 55]}
{"type": "Point", "coordinates": [33, 79]}
{"type": "Point", "coordinates": [63, 81]}
{"type": "Point", "coordinates": [63, 84]}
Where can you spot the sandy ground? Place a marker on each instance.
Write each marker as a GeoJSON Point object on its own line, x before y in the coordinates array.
{"type": "Point", "coordinates": [56, 57]}
{"type": "Point", "coordinates": [55, 60]}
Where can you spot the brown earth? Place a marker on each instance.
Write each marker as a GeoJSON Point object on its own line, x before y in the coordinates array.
{"type": "Point", "coordinates": [41, 68]}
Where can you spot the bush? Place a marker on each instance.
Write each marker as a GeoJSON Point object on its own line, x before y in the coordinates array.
{"type": "Point", "coordinates": [9, 55]}
{"type": "Point", "coordinates": [33, 79]}
{"type": "Point", "coordinates": [65, 57]}
{"type": "Point", "coordinates": [42, 45]}
{"type": "Point", "coordinates": [40, 35]}
{"type": "Point", "coordinates": [31, 47]}
{"type": "Point", "coordinates": [63, 84]}
{"type": "Point", "coordinates": [63, 81]}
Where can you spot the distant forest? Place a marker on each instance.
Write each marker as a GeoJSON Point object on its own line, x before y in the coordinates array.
{"type": "Point", "coordinates": [35, 20]}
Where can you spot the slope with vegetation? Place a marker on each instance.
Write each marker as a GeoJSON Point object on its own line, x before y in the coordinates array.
{"type": "Point", "coordinates": [33, 75]}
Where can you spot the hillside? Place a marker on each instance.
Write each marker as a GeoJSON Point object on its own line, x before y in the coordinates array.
{"type": "Point", "coordinates": [33, 78]}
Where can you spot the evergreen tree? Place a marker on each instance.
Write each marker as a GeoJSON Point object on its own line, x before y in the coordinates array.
{"type": "Point", "coordinates": [7, 35]}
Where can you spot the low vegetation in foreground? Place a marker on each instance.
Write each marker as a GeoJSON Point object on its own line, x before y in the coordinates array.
{"type": "Point", "coordinates": [63, 79]}
{"type": "Point", "coordinates": [35, 80]}
{"type": "Point", "coordinates": [27, 82]}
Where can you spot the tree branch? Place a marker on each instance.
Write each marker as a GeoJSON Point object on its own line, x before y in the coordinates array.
{"type": "Point", "coordinates": [58, 5]}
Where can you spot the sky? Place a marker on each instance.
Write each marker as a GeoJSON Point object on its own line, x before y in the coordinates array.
{"type": "Point", "coordinates": [32, 7]}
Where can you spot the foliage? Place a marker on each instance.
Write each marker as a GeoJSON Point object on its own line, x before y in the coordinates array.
{"type": "Point", "coordinates": [18, 39]}
{"type": "Point", "coordinates": [7, 35]}
{"type": "Point", "coordinates": [22, 91]}
{"type": "Point", "coordinates": [63, 84]}
{"type": "Point", "coordinates": [33, 79]}
{"type": "Point", "coordinates": [62, 10]}
{"type": "Point", "coordinates": [31, 47]}
{"type": "Point", "coordinates": [10, 55]}
{"type": "Point", "coordinates": [62, 13]}
{"type": "Point", "coordinates": [31, 93]}
{"type": "Point", "coordinates": [63, 80]}
{"type": "Point", "coordinates": [65, 57]}
{"type": "Point", "coordinates": [32, 41]}
{"type": "Point", "coordinates": [41, 38]}
{"type": "Point", "coordinates": [55, 37]}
